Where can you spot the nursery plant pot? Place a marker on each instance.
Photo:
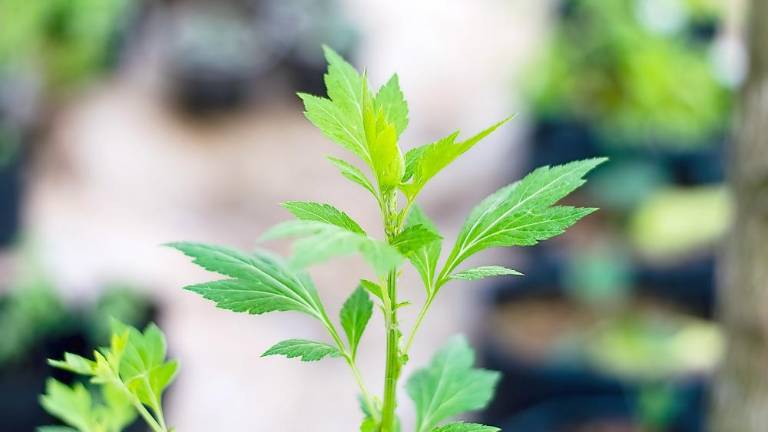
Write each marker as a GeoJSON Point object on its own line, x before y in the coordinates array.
{"type": "Point", "coordinates": [564, 397]}
{"type": "Point", "coordinates": [10, 200]}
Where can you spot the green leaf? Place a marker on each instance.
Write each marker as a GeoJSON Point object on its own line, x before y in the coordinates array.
{"type": "Point", "coordinates": [465, 427]}
{"type": "Point", "coordinates": [307, 350]}
{"type": "Point", "coordinates": [319, 241]}
{"type": "Point", "coordinates": [425, 162]}
{"type": "Point", "coordinates": [340, 118]}
{"type": "Point", "coordinates": [484, 272]}
{"type": "Point", "coordinates": [117, 412]}
{"type": "Point", "coordinates": [353, 173]}
{"type": "Point", "coordinates": [72, 405]}
{"type": "Point", "coordinates": [392, 102]}
{"type": "Point", "coordinates": [381, 136]}
{"type": "Point", "coordinates": [415, 237]}
{"type": "Point", "coordinates": [143, 368]}
{"type": "Point", "coordinates": [344, 128]}
{"type": "Point", "coordinates": [372, 287]}
{"type": "Point", "coordinates": [326, 213]}
{"type": "Point", "coordinates": [521, 214]}
{"type": "Point", "coordinates": [425, 257]}
{"type": "Point", "coordinates": [355, 313]}
{"type": "Point", "coordinates": [260, 282]}
{"type": "Point", "coordinates": [450, 385]}
{"type": "Point", "coordinates": [74, 363]}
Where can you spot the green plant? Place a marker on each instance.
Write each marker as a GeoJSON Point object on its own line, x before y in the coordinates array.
{"type": "Point", "coordinates": [369, 125]}
{"type": "Point", "coordinates": [131, 376]}
{"type": "Point", "coordinates": [608, 66]}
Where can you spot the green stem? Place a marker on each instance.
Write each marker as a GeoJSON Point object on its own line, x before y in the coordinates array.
{"type": "Point", "coordinates": [393, 366]}
{"type": "Point", "coordinates": [417, 324]}
{"type": "Point", "coordinates": [153, 424]}
{"type": "Point", "coordinates": [349, 358]}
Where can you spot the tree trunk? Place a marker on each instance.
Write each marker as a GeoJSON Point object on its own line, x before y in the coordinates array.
{"type": "Point", "coordinates": [740, 402]}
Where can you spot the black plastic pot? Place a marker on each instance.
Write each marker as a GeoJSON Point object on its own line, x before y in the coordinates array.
{"type": "Point", "coordinates": [22, 379]}
{"type": "Point", "coordinates": [10, 200]}
{"type": "Point", "coordinates": [557, 140]}
{"type": "Point", "coordinates": [558, 398]}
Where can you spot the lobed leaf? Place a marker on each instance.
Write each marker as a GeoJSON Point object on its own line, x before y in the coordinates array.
{"type": "Point", "coordinates": [326, 213]}
{"type": "Point", "coordinates": [381, 136]}
{"type": "Point", "coordinates": [355, 314]}
{"type": "Point", "coordinates": [307, 350]}
{"type": "Point", "coordinates": [484, 272]}
{"type": "Point", "coordinates": [143, 368]}
{"type": "Point", "coordinates": [353, 173]}
{"type": "Point", "coordinates": [74, 363]}
{"type": "Point", "coordinates": [450, 385]}
{"type": "Point", "coordinates": [423, 163]}
{"type": "Point", "coordinates": [73, 405]}
{"type": "Point", "coordinates": [259, 282]}
{"type": "Point", "coordinates": [415, 237]}
{"type": "Point", "coordinates": [521, 214]}
{"type": "Point", "coordinates": [391, 101]}
{"type": "Point", "coordinates": [425, 257]}
{"type": "Point", "coordinates": [343, 128]}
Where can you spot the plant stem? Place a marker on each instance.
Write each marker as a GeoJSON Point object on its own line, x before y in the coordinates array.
{"type": "Point", "coordinates": [417, 324]}
{"type": "Point", "coordinates": [351, 362]}
{"type": "Point", "coordinates": [393, 366]}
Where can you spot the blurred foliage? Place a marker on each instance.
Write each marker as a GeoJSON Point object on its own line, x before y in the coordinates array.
{"type": "Point", "coordinates": [639, 70]}
{"type": "Point", "coordinates": [678, 221]}
{"type": "Point", "coordinates": [653, 346]}
{"type": "Point", "coordinates": [30, 312]}
{"type": "Point", "coordinates": [33, 312]}
{"type": "Point", "coordinates": [69, 39]}
{"type": "Point", "coordinates": [599, 277]}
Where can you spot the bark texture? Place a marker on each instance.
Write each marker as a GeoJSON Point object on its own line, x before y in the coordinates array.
{"type": "Point", "coordinates": [740, 400]}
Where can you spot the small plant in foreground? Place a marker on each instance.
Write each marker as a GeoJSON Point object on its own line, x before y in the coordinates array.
{"type": "Point", "coordinates": [368, 125]}
{"type": "Point", "coordinates": [131, 375]}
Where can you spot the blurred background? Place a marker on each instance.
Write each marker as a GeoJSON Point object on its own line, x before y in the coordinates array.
{"type": "Point", "coordinates": [125, 124]}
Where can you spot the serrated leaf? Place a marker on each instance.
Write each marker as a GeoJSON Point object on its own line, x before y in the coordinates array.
{"type": "Point", "coordinates": [307, 350]}
{"type": "Point", "coordinates": [74, 363]}
{"type": "Point", "coordinates": [415, 237]}
{"type": "Point", "coordinates": [450, 385]}
{"type": "Point", "coordinates": [260, 282]}
{"type": "Point", "coordinates": [343, 128]}
{"type": "Point", "coordinates": [381, 136]}
{"type": "Point", "coordinates": [392, 102]}
{"type": "Point", "coordinates": [318, 242]}
{"type": "Point", "coordinates": [319, 212]}
{"type": "Point", "coordinates": [521, 214]}
{"type": "Point", "coordinates": [72, 405]}
{"type": "Point", "coordinates": [425, 162]}
{"type": "Point", "coordinates": [355, 313]}
{"type": "Point", "coordinates": [484, 272]}
{"type": "Point", "coordinates": [372, 287]}
{"type": "Point", "coordinates": [143, 367]}
{"type": "Point", "coordinates": [425, 257]}
{"type": "Point", "coordinates": [465, 427]}
{"type": "Point", "coordinates": [117, 411]}
{"type": "Point", "coordinates": [353, 173]}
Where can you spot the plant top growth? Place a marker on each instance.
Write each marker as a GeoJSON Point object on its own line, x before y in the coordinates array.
{"type": "Point", "coordinates": [369, 124]}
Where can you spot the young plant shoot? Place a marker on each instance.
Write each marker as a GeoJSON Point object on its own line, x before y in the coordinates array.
{"type": "Point", "coordinates": [131, 376]}
{"type": "Point", "coordinates": [368, 124]}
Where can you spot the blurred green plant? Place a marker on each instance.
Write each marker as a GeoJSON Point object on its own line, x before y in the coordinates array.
{"type": "Point", "coordinates": [69, 39]}
{"type": "Point", "coordinates": [369, 125]}
{"type": "Point", "coordinates": [628, 68]}
{"type": "Point", "coordinates": [131, 376]}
